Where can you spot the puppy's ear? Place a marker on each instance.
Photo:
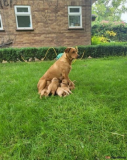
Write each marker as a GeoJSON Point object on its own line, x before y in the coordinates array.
{"type": "Point", "coordinates": [67, 50]}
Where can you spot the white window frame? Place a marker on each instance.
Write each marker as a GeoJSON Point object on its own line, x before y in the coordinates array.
{"type": "Point", "coordinates": [23, 14]}
{"type": "Point", "coordinates": [75, 14]}
{"type": "Point", "coordinates": [1, 28]}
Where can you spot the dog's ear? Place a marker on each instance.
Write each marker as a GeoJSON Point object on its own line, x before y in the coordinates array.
{"type": "Point", "coordinates": [76, 48]}
{"type": "Point", "coordinates": [67, 50]}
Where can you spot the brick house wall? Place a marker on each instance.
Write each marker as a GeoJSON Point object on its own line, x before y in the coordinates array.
{"type": "Point", "coordinates": [50, 24]}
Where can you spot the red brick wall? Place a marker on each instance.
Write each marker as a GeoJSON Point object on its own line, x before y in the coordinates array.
{"type": "Point", "coordinates": [50, 24]}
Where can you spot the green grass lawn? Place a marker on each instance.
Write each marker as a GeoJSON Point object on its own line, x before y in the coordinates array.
{"type": "Point", "coordinates": [90, 124]}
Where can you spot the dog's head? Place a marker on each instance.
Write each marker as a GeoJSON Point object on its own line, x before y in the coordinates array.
{"type": "Point", "coordinates": [72, 53]}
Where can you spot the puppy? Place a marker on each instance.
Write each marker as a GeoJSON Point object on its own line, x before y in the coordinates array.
{"type": "Point", "coordinates": [65, 86]}
{"type": "Point", "coordinates": [61, 92]}
{"type": "Point", "coordinates": [47, 84]}
{"type": "Point", "coordinates": [71, 85]}
{"type": "Point", "coordinates": [44, 93]}
{"type": "Point", "coordinates": [53, 86]}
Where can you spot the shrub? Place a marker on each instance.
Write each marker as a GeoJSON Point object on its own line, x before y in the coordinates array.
{"type": "Point", "coordinates": [95, 51]}
{"type": "Point", "coordinates": [116, 31]}
{"type": "Point", "coordinates": [26, 53]}
{"type": "Point", "coordinates": [9, 54]}
{"type": "Point", "coordinates": [99, 40]}
{"type": "Point", "coordinates": [95, 40]}
{"type": "Point", "coordinates": [104, 50]}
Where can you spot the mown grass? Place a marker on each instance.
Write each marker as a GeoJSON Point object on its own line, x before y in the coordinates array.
{"type": "Point", "coordinates": [90, 124]}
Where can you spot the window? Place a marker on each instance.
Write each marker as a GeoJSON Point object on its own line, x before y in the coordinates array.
{"type": "Point", "coordinates": [75, 17]}
{"type": "Point", "coordinates": [1, 25]}
{"type": "Point", "coordinates": [23, 17]}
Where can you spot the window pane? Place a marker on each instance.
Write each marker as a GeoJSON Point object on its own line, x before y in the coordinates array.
{"type": "Point", "coordinates": [22, 9]}
{"type": "Point", "coordinates": [23, 21]}
{"type": "Point", "coordinates": [74, 21]}
{"type": "Point", "coordinates": [76, 10]}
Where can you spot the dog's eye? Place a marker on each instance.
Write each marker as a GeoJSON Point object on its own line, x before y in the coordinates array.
{"type": "Point", "coordinates": [73, 52]}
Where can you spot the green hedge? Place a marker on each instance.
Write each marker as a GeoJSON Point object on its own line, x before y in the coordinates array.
{"type": "Point", "coordinates": [98, 51]}
{"type": "Point", "coordinates": [95, 51]}
{"type": "Point", "coordinates": [16, 54]}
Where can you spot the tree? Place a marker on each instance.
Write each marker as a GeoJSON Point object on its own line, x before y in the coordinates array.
{"type": "Point", "coordinates": [109, 10]}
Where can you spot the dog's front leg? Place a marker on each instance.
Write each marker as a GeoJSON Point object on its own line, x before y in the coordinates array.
{"type": "Point", "coordinates": [65, 76]}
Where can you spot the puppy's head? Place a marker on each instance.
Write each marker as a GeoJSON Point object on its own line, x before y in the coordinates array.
{"type": "Point", "coordinates": [55, 79]}
{"type": "Point", "coordinates": [64, 81]}
{"type": "Point", "coordinates": [72, 53]}
{"type": "Point", "coordinates": [71, 85]}
{"type": "Point", "coordinates": [43, 93]}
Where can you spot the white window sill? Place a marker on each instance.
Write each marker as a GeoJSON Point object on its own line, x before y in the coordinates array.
{"type": "Point", "coordinates": [75, 28]}
{"type": "Point", "coordinates": [25, 29]}
{"type": "Point", "coordinates": [2, 30]}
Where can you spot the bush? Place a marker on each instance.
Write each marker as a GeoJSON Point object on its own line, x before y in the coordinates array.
{"type": "Point", "coordinates": [105, 28]}
{"type": "Point", "coordinates": [105, 50]}
{"type": "Point", "coordinates": [8, 54]}
{"type": "Point", "coordinates": [95, 51]}
{"type": "Point", "coordinates": [99, 40]}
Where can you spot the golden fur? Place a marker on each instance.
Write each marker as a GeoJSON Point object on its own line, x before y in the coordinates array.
{"type": "Point", "coordinates": [60, 69]}
{"type": "Point", "coordinates": [61, 92]}
{"type": "Point", "coordinates": [53, 86]}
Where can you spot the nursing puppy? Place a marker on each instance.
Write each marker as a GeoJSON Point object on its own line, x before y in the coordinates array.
{"type": "Point", "coordinates": [60, 69]}
{"type": "Point", "coordinates": [71, 86]}
{"type": "Point", "coordinates": [47, 84]}
{"type": "Point", "coordinates": [44, 93]}
{"type": "Point", "coordinates": [65, 85]}
{"type": "Point", "coordinates": [53, 86]}
{"type": "Point", "coordinates": [61, 92]}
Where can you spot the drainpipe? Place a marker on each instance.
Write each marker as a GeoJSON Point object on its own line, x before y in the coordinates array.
{"type": "Point", "coordinates": [91, 17]}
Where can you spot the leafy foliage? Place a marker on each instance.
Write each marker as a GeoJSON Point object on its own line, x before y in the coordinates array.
{"type": "Point", "coordinates": [102, 50]}
{"type": "Point", "coordinates": [109, 10]}
{"type": "Point", "coordinates": [115, 31]}
{"type": "Point", "coordinates": [99, 40]}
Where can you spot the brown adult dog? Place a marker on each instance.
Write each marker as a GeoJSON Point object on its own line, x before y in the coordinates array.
{"type": "Point", "coordinates": [60, 69]}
